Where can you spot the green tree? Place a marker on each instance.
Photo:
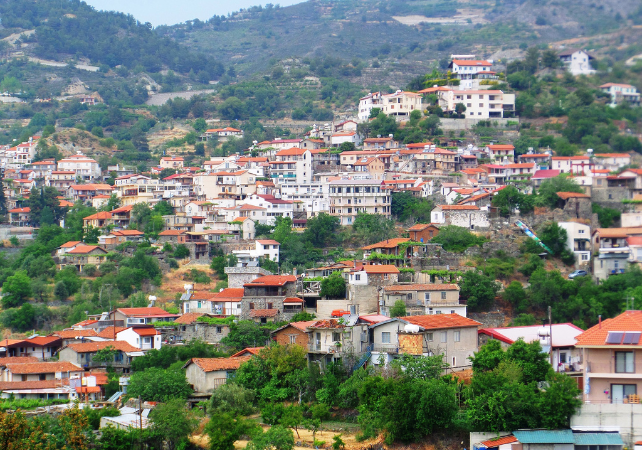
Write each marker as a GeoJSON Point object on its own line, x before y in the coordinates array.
{"type": "Point", "coordinates": [606, 216]}
{"type": "Point", "coordinates": [421, 367]}
{"type": "Point", "coordinates": [516, 296]}
{"type": "Point", "coordinates": [456, 239]}
{"type": "Point", "coordinates": [16, 289]}
{"type": "Point", "coordinates": [233, 399]}
{"type": "Point", "coordinates": [225, 429]}
{"type": "Point", "coordinates": [245, 334]}
{"type": "Point", "coordinates": [510, 198]}
{"type": "Point", "coordinates": [559, 401]}
{"type": "Point", "coordinates": [333, 286]}
{"type": "Point", "coordinates": [181, 252]}
{"type": "Point", "coordinates": [105, 355]}
{"type": "Point", "coordinates": [372, 228]}
{"type": "Point", "coordinates": [321, 230]}
{"type": "Point", "coordinates": [159, 385]}
{"type": "Point", "coordinates": [172, 424]}
{"type": "Point", "coordinates": [478, 290]}
{"type": "Point", "coordinates": [60, 291]}
{"type": "Point", "coordinates": [347, 147]}
{"type": "Point", "coordinates": [547, 192]}
{"type": "Point", "coordinates": [398, 309]}
{"type": "Point", "coordinates": [275, 438]}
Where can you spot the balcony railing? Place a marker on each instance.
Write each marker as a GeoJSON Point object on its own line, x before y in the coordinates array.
{"type": "Point", "coordinates": [385, 348]}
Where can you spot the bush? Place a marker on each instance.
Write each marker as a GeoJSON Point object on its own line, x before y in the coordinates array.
{"type": "Point", "coordinates": [456, 239]}
{"type": "Point", "coordinates": [181, 252]}
{"type": "Point", "coordinates": [173, 264]}
{"type": "Point", "coordinates": [60, 291]}
{"type": "Point", "coordinates": [90, 270]}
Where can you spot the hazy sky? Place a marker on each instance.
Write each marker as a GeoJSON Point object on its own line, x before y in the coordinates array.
{"type": "Point", "coordinates": [170, 12]}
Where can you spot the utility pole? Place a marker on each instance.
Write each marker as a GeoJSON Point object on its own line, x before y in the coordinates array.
{"type": "Point", "coordinates": [550, 336]}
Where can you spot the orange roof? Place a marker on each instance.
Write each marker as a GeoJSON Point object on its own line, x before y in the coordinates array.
{"type": "Point", "coordinates": [437, 321]}
{"type": "Point", "coordinates": [36, 384]}
{"type": "Point", "coordinates": [43, 367]}
{"type": "Point", "coordinates": [612, 155]}
{"type": "Point", "coordinates": [98, 216]}
{"type": "Point", "coordinates": [128, 233]}
{"type": "Point", "coordinates": [20, 210]}
{"type": "Point", "coordinates": [256, 313]}
{"type": "Point", "coordinates": [72, 334]}
{"type": "Point", "coordinates": [596, 335]}
{"type": "Point", "coordinates": [249, 350]}
{"type": "Point", "coordinates": [271, 280]}
{"type": "Point", "coordinates": [235, 293]}
{"type": "Point", "coordinates": [294, 151]}
{"type": "Point", "coordinates": [268, 242]}
{"type": "Point", "coordinates": [520, 166]}
{"type": "Point", "coordinates": [70, 244]}
{"type": "Point", "coordinates": [570, 158]}
{"type": "Point", "coordinates": [188, 318]}
{"type": "Point", "coordinates": [84, 249]}
{"type": "Point", "coordinates": [91, 187]}
{"type": "Point", "coordinates": [422, 287]}
{"type": "Point", "coordinates": [567, 195]}
{"type": "Point", "coordinates": [383, 268]}
{"type": "Point", "coordinates": [471, 62]}
{"type": "Point", "coordinates": [87, 389]}
{"type": "Point", "coordinates": [127, 208]}
{"type": "Point", "coordinates": [148, 331]}
{"type": "Point", "coordinates": [214, 364]}
{"type": "Point", "coordinates": [145, 311]}
{"type": "Point", "coordinates": [534, 155]}
{"type": "Point", "coordinates": [302, 326]}
{"type": "Point", "coordinates": [499, 441]}
{"type": "Point", "coordinates": [459, 207]}
{"type": "Point", "coordinates": [17, 360]}
{"type": "Point", "coordinates": [42, 341]}
{"type": "Point", "coordinates": [171, 232]}
{"type": "Point", "coordinates": [421, 226]}
{"type": "Point", "coordinates": [474, 198]}
{"type": "Point", "coordinates": [92, 347]}
{"type": "Point", "coordinates": [388, 243]}
{"type": "Point", "coordinates": [108, 333]}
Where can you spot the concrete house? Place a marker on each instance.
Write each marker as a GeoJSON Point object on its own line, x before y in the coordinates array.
{"type": "Point", "coordinates": [578, 241]}
{"type": "Point", "coordinates": [270, 298]}
{"type": "Point", "coordinates": [143, 338]}
{"type": "Point", "coordinates": [332, 340]}
{"type": "Point", "coordinates": [294, 333]}
{"type": "Point", "coordinates": [612, 355]}
{"type": "Point", "coordinates": [83, 255]}
{"type": "Point", "coordinates": [40, 371]}
{"type": "Point", "coordinates": [83, 354]}
{"type": "Point", "coordinates": [578, 62]}
{"type": "Point", "coordinates": [424, 299]}
{"type": "Point", "coordinates": [206, 374]}
{"type": "Point", "coordinates": [41, 347]}
{"type": "Point", "coordinates": [450, 335]}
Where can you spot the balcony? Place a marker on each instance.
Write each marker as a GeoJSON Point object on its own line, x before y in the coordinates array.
{"type": "Point", "coordinates": [606, 370]}
{"type": "Point", "coordinates": [385, 348]}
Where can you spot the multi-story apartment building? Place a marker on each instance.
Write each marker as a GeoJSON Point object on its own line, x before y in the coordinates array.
{"type": "Point", "coordinates": [350, 197]}
{"type": "Point", "coordinates": [234, 185]}
{"type": "Point", "coordinates": [400, 104]}
{"type": "Point", "coordinates": [85, 167]}
{"type": "Point", "coordinates": [292, 166]}
{"type": "Point", "coordinates": [274, 207]}
{"type": "Point", "coordinates": [480, 104]}
{"type": "Point", "coordinates": [171, 162]}
{"type": "Point", "coordinates": [576, 165]}
{"type": "Point", "coordinates": [43, 168]}
{"type": "Point", "coordinates": [422, 299]}
{"type": "Point", "coordinates": [578, 241]}
{"type": "Point", "coordinates": [612, 359]}
{"type": "Point", "coordinates": [60, 179]}
{"type": "Point", "coordinates": [367, 103]}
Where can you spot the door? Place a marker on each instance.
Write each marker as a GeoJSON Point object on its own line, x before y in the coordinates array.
{"type": "Point", "coordinates": [317, 341]}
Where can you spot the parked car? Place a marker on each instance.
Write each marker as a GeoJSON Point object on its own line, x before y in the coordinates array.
{"type": "Point", "coordinates": [577, 273]}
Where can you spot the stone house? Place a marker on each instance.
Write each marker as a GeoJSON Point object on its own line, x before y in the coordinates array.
{"type": "Point", "coordinates": [294, 333]}
{"type": "Point", "coordinates": [40, 371]}
{"type": "Point", "coordinates": [450, 335]}
{"type": "Point", "coordinates": [466, 216]}
{"type": "Point", "coordinates": [270, 298]}
{"type": "Point", "coordinates": [83, 255]}
{"type": "Point", "coordinates": [83, 354]}
{"type": "Point", "coordinates": [423, 232]}
{"type": "Point", "coordinates": [575, 204]}
{"type": "Point", "coordinates": [187, 328]}
{"type": "Point", "coordinates": [174, 237]}
{"type": "Point", "coordinates": [333, 341]}
{"type": "Point", "coordinates": [206, 374]}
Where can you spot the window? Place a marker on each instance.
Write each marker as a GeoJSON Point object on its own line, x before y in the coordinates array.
{"type": "Point", "coordinates": [427, 296]}
{"type": "Point", "coordinates": [429, 337]}
{"type": "Point", "coordinates": [385, 337]}
{"type": "Point", "coordinates": [444, 336]}
{"type": "Point", "coordinates": [409, 297]}
{"type": "Point", "coordinates": [624, 362]}
{"type": "Point", "coordinates": [293, 339]}
{"type": "Point", "coordinates": [443, 295]}
{"type": "Point", "coordinates": [457, 336]}
{"type": "Point", "coordinates": [385, 276]}
{"type": "Point", "coordinates": [147, 340]}
{"type": "Point", "coordinates": [270, 305]}
{"type": "Point", "coordinates": [251, 305]}
{"type": "Point", "coordinates": [219, 330]}
{"type": "Point", "coordinates": [454, 364]}
{"type": "Point", "coordinates": [336, 337]}
{"type": "Point", "coordinates": [357, 277]}
{"type": "Point", "coordinates": [199, 305]}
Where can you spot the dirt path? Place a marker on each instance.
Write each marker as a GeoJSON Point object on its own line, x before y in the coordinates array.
{"type": "Point", "coordinates": [174, 282]}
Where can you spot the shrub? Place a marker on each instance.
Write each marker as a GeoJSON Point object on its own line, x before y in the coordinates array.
{"type": "Point", "coordinates": [90, 270]}
{"type": "Point", "coordinates": [181, 252]}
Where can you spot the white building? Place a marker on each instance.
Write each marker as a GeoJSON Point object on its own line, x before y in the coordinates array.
{"type": "Point", "coordinates": [611, 161]}
{"type": "Point", "coordinates": [314, 196]}
{"type": "Point", "coordinates": [274, 207]}
{"type": "Point", "coordinates": [142, 338]}
{"type": "Point", "coordinates": [85, 167]}
{"type": "Point", "coordinates": [350, 197]}
{"type": "Point", "coordinates": [400, 104]}
{"type": "Point", "coordinates": [292, 166]}
{"type": "Point", "coordinates": [264, 248]}
{"type": "Point", "coordinates": [576, 165]}
{"type": "Point", "coordinates": [480, 104]}
{"type": "Point", "coordinates": [367, 103]}
{"type": "Point", "coordinates": [621, 93]}
{"type": "Point", "coordinates": [578, 62]}
{"type": "Point", "coordinates": [578, 241]}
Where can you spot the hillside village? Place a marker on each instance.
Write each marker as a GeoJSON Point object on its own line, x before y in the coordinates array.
{"type": "Point", "coordinates": [359, 250]}
{"type": "Point", "coordinates": [358, 225]}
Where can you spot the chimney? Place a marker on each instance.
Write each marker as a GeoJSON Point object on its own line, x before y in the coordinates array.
{"type": "Point", "coordinates": [600, 320]}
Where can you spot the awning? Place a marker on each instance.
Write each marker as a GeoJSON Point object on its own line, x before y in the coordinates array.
{"type": "Point", "coordinates": [598, 439]}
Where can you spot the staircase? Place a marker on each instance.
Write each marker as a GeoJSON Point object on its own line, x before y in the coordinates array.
{"type": "Point", "coordinates": [364, 358]}
{"type": "Point", "coordinates": [115, 397]}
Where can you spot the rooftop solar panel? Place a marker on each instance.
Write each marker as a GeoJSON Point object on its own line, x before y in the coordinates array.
{"type": "Point", "coordinates": [614, 337]}
{"type": "Point", "coordinates": [631, 337]}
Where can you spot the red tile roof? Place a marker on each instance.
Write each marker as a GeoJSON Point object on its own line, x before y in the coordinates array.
{"type": "Point", "coordinates": [246, 351]}
{"type": "Point", "coordinates": [146, 331]}
{"type": "Point", "coordinates": [88, 389]}
{"type": "Point", "coordinates": [42, 341]}
{"type": "Point", "coordinates": [108, 333]}
{"type": "Point", "coordinates": [383, 268]}
{"type": "Point", "coordinates": [92, 347]}
{"type": "Point", "coordinates": [421, 226]}
{"type": "Point", "coordinates": [230, 293]}
{"type": "Point", "coordinates": [291, 152]}
{"type": "Point", "coordinates": [188, 318]}
{"type": "Point", "coordinates": [388, 243]}
{"type": "Point", "coordinates": [302, 326]}
{"type": "Point", "coordinates": [84, 249]}
{"type": "Point", "coordinates": [256, 313]}
{"type": "Point", "coordinates": [438, 321]}
{"type": "Point", "coordinates": [596, 335]}
{"type": "Point", "coordinates": [145, 311]}
{"type": "Point", "coordinates": [171, 232]}
{"type": "Point", "coordinates": [17, 360]}
{"type": "Point", "coordinates": [499, 441]}
{"type": "Point", "coordinates": [43, 367]}
{"type": "Point", "coordinates": [28, 385]}
{"type": "Point", "coordinates": [72, 334]}
{"type": "Point", "coordinates": [459, 208]}
{"type": "Point", "coordinates": [70, 244]}
{"type": "Point", "coordinates": [421, 287]}
{"type": "Point", "coordinates": [501, 147]}
{"type": "Point", "coordinates": [271, 280]}
{"type": "Point", "coordinates": [20, 210]}
{"type": "Point", "coordinates": [103, 215]}
{"type": "Point", "coordinates": [472, 62]}
{"type": "Point", "coordinates": [567, 195]}
{"type": "Point", "coordinates": [214, 364]}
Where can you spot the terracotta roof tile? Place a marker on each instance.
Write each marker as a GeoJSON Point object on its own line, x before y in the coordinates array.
{"type": "Point", "coordinates": [43, 367]}
{"type": "Point", "coordinates": [438, 321]}
{"type": "Point", "coordinates": [214, 364]}
{"type": "Point", "coordinates": [72, 334]}
{"type": "Point", "coordinates": [422, 287]}
{"type": "Point", "coordinates": [383, 268]}
{"type": "Point", "coordinates": [567, 195]}
{"type": "Point", "coordinates": [92, 347]}
{"type": "Point", "coordinates": [256, 313]}
{"type": "Point", "coordinates": [247, 351]}
{"type": "Point", "coordinates": [596, 336]}
{"type": "Point", "coordinates": [108, 333]}
{"type": "Point", "coordinates": [388, 243]}
{"type": "Point", "coordinates": [499, 441]}
{"type": "Point", "coordinates": [145, 311]}
{"type": "Point", "coordinates": [188, 318]}
{"type": "Point", "coordinates": [271, 280]}
{"type": "Point", "coordinates": [459, 208]}
{"type": "Point", "coordinates": [17, 360]}
{"type": "Point", "coordinates": [234, 293]}
{"type": "Point", "coordinates": [85, 249]}
{"type": "Point", "coordinates": [28, 385]}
